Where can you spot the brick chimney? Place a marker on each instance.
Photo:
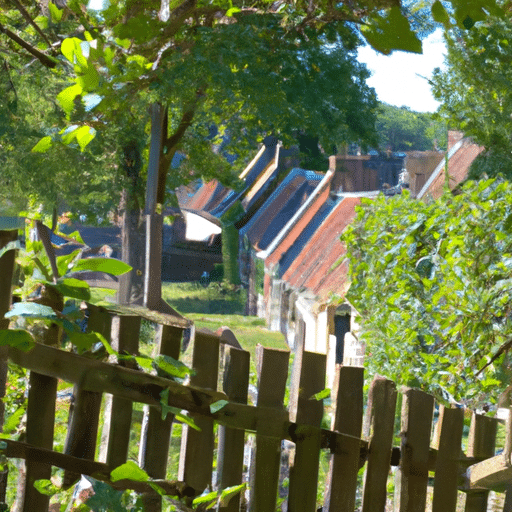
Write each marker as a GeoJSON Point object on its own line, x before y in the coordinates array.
{"type": "Point", "coordinates": [453, 137]}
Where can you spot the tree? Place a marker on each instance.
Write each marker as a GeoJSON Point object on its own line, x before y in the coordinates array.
{"type": "Point", "coordinates": [475, 93]}
{"type": "Point", "coordinates": [432, 284]}
{"type": "Point", "coordinates": [401, 129]}
{"type": "Point", "coordinates": [247, 70]}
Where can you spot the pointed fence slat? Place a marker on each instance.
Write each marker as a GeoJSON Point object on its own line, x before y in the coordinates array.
{"type": "Point", "coordinates": [6, 276]}
{"type": "Point", "coordinates": [40, 426]}
{"type": "Point", "coordinates": [341, 482]}
{"type": "Point", "coordinates": [304, 472]}
{"type": "Point", "coordinates": [380, 426]}
{"type": "Point", "coordinates": [196, 457]}
{"type": "Point", "coordinates": [450, 425]}
{"type": "Point", "coordinates": [481, 442]}
{"type": "Point", "coordinates": [416, 426]}
{"type": "Point", "coordinates": [272, 367]}
{"type": "Point", "coordinates": [230, 461]}
{"type": "Point", "coordinates": [118, 410]}
{"type": "Point", "coordinates": [85, 410]}
{"type": "Point", "coordinates": [155, 431]}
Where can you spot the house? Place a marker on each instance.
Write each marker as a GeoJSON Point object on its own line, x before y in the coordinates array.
{"type": "Point", "coordinates": [462, 152]}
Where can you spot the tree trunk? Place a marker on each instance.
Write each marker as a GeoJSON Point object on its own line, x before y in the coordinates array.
{"type": "Point", "coordinates": [131, 287]}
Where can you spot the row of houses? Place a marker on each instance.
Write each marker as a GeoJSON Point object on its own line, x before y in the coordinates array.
{"type": "Point", "coordinates": [288, 222]}
{"type": "Point", "coordinates": [289, 228]}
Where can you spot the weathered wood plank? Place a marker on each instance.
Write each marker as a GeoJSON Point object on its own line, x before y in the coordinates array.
{"type": "Point", "coordinates": [156, 432]}
{"type": "Point", "coordinates": [379, 427]}
{"type": "Point", "coordinates": [6, 276]}
{"type": "Point", "coordinates": [230, 460]}
{"type": "Point", "coordinates": [118, 411]}
{"type": "Point", "coordinates": [85, 410]}
{"type": "Point", "coordinates": [304, 471]}
{"type": "Point", "coordinates": [416, 426]}
{"type": "Point", "coordinates": [272, 367]}
{"type": "Point", "coordinates": [341, 482]}
{"type": "Point", "coordinates": [450, 425]}
{"type": "Point", "coordinates": [481, 442]}
{"type": "Point", "coordinates": [196, 457]}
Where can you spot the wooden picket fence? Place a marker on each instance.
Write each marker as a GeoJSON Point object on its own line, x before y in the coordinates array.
{"type": "Point", "coordinates": [429, 466]}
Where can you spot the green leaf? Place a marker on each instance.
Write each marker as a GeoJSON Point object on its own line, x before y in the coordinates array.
{"type": "Point", "coordinates": [46, 487]}
{"type": "Point", "coordinates": [439, 13]}
{"type": "Point", "coordinates": [11, 246]}
{"type": "Point", "coordinates": [43, 145]}
{"type": "Point", "coordinates": [207, 498]}
{"type": "Point", "coordinates": [229, 492]}
{"type": "Point", "coordinates": [129, 471]}
{"type": "Point", "coordinates": [55, 12]}
{"type": "Point", "coordinates": [217, 406]}
{"type": "Point", "coordinates": [31, 310]}
{"type": "Point", "coordinates": [17, 338]}
{"type": "Point", "coordinates": [84, 135]}
{"type": "Point", "coordinates": [66, 100]}
{"type": "Point", "coordinates": [391, 31]}
{"type": "Point", "coordinates": [13, 420]}
{"type": "Point", "coordinates": [83, 340]}
{"type": "Point", "coordinates": [172, 366]}
{"type": "Point", "coordinates": [321, 395]}
{"type": "Point", "coordinates": [75, 288]}
{"type": "Point", "coordinates": [107, 265]}
{"type": "Point", "coordinates": [178, 413]}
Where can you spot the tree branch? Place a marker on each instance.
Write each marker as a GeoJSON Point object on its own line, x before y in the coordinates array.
{"type": "Point", "coordinates": [27, 17]}
{"type": "Point", "coordinates": [42, 57]}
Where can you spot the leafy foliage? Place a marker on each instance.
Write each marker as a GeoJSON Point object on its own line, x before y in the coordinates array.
{"type": "Point", "coordinates": [479, 60]}
{"type": "Point", "coordinates": [432, 284]}
{"type": "Point", "coordinates": [401, 129]}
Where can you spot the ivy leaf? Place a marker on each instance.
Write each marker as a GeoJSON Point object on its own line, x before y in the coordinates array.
{"type": "Point", "coordinates": [46, 487]}
{"type": "Point", "coordinates": [74, 288]}
{"type": "Point", "coordinates": [14, 420]}
{"type": "Point", "coordinates": [172, 367]}
{"type": "Point", "coordinates": [31, 310]}
{"type": "Point", "coordinates": [229, 492]}
{"type": "Point", "coordinates": [391, 31]}
{"type": "Point", "coordinates": [178, 413]}
{"type": "Point", "coordinates": [107, 265]}
{"type": "Point", "coordinates": [17, 338]}
{"type": "Point", "coordinates": [217, 406]}
{"type": "Point", "coordinates": [43, 145]}
{"type": "Point", "coordinates": [129, 471]}
{"type": "Point", "coordinates": [321, 395]}
{"type": "Point", "coordinates": [210, 498]}
{"type": "Point", "coordinates": [11, 246]}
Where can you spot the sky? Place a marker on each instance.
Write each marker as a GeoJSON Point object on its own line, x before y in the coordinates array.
{"type": "Point", "coordinates": [401, 79]}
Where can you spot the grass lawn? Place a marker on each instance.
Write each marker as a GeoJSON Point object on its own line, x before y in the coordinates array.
{"type": "Point", "coordinates": [216, 306]}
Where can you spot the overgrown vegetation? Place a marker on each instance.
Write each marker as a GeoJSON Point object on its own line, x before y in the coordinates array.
{"type": "Point", "coordinates": [432, 284]}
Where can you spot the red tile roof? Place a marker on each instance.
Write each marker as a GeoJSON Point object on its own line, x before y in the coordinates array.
{"type": "Point", "coordinates": [297, 229]}
{"type": "Point", "coordinates": [207, 197]}
{"type": "Point", "coordinates": [458, 167]}
{"type": "Point", "coordinates": [314, 268]}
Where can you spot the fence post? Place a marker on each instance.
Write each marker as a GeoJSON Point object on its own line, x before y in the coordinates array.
{"type": "Point", "coordinates": [304, 472]}
{"type": "Point", "coordinates": [118, 411]}
{"type": "Point", "coordinates": [272, 368]}
{"type": "Point", "coordinates": [341, 482]}
{"type": "Point", "coordinates": [85, 409]}
{"type": "Point", "coordinates": [230, 461]}
{"type": "Point", "coordinates": [451, 425]}
{"type": "Point", "coordinates": [196, 455]}
{"type": "Point", "coordinates": [6, 275]}
{"type": "Point", "coordinates": [481, 442]}
{"type": "Point", "coordinates": [379, 429]}
{"type": "Point", "coordinates": [416, 425]}
{"type": "Point", "coordinates": [156, 432]}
